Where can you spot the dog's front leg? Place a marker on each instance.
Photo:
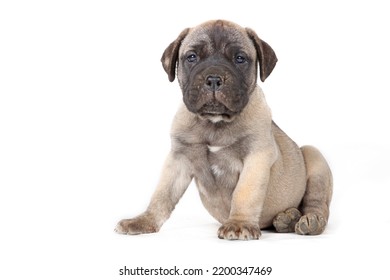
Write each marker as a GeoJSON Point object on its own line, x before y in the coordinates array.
{"type": "Point", "coordinates": [248, 198]}
{"type": "Point", "coordinates": [175, 178]}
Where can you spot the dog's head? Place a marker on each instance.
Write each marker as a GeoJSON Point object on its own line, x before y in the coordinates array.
{"type": "Point", "coordinates": [216, 65]}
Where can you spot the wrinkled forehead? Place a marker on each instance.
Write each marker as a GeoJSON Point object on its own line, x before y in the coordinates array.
{"type": "Point", "coordinates": [217, 36]}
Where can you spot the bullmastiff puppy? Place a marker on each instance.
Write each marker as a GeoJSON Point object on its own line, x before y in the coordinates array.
{"type": "Point", "coordinates": [249, 173]}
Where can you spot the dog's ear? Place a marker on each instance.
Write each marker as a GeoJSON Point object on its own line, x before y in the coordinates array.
{"type": "Point", "coordinates": [170, 55]}
{"type": "Point", "coordinates": [266, 55]}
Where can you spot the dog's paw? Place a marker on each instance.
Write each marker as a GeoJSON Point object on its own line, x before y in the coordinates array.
{"type": "Point", "coordinates": [310, 224]}
{"type": "Point", "coordinates": [286, 221]}
{"type": "Point", "coordinates": [138, 225]}
{"type": "Point", "coordinates": [233, 230]}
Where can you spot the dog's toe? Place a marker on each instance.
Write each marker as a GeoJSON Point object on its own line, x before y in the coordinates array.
{"type": "Point", "coordinates": [310, 224]}
{"type": "Point", "coordinates": [286, 221]}
{"type": "Point", "coordinates": [139, 225]}
{"type": "Point", "coordinates": [237, 230]}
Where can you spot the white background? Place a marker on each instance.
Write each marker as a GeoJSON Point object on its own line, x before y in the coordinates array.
{"type": "Point", "coordinates": [85, 113]}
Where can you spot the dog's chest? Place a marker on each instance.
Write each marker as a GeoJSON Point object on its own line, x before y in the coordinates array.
{"type": "Point", "coordinates": [220, 167]}
{"type": "Point", "coordinates": [215, 152]}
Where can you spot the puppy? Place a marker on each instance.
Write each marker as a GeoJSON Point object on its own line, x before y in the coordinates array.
{"type": "Point", "coordinates": [249, 173]}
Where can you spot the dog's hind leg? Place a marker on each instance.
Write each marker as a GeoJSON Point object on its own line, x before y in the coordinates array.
{"type": "Point", "coordinates": [285, 221]}
{"type": "Point", "coordinates": [316, 201]}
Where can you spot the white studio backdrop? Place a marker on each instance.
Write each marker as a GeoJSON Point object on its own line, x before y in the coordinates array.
{"type": "Point", "coordinates": [85, 114]}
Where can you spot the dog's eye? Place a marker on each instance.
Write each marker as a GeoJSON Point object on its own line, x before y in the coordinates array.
{"type": "Point", "coordinates": [240, 59]}
{"type": "Point", "coordinates": [192, 58]}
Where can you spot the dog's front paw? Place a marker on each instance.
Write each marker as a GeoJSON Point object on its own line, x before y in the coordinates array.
{"type": "Point", "coordinates": [310, 224]}
{"type": "Point", "coordinates": [233, 230]}
{"type": "Point", "coordinates": [138, 225]}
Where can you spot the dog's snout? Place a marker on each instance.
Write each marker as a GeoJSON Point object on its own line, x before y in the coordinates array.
{"type": "Point", "coordinates": [213, 82]}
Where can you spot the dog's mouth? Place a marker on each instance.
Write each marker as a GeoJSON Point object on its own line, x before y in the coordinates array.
{"type": "Point", "coordinates": [216, 112]}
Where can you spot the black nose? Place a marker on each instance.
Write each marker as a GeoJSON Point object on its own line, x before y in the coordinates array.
{"type": "Point", "coordinates": [213, 82]}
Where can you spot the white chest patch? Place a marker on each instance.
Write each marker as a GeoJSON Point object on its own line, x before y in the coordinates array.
{"type": "Point", "coordinates": [217, 171]}
{"type": "Point", "coordinates": [215, 149]}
